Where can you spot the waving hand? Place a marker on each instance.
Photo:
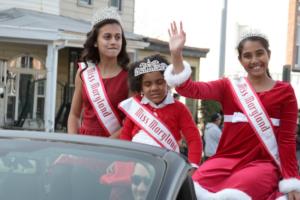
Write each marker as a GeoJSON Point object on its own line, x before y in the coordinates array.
{"type": "Point", "coordinates": [177, 38]}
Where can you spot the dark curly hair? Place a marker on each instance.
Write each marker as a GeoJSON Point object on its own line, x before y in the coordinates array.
{"type": "Point", "coordinates": [135, 82]}
{"type": "Point", "coordinates": [91, 53]}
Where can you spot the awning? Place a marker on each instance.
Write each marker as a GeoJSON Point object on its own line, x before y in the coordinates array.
{"type": "Point", "coordinates": [54, 31]}
{"type": "Point", "coordinates": [21, 25]}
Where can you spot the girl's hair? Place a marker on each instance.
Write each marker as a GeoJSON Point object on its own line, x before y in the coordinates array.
{"type": "Point", "coordinates": [91, 53]}
{"type": "Point", "coordinates": [135, 82]}
{"type": "Point", "coordinates": [263, 41]}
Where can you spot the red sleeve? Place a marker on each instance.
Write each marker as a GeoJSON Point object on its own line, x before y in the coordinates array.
{"type": "Point", "coordinates": [287, 135]}
{"type": "Point", "coordinates": [192, 135]}
{"type": "Point", "coordinates": [212, 90]}
{"type": "Point", "coordinates": [126, 133]}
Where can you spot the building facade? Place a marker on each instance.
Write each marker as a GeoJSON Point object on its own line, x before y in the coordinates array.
{"type": "Point", "coordinates": [40, 43]}
{"type": "Point", "coordinates": [293, 47]}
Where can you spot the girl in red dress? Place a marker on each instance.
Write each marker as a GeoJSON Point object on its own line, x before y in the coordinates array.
{"type": "Point", "coordinates": [105, 50]}
{"type": "Point", "coordinates": [247, 164]}
{"type": "Point", "coordinates": [146, 78]}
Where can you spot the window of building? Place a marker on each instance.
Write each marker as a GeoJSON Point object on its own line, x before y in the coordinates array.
{"type": "Point", "coordinates": [73, 62]}
{"type": "Point", "coordinates": [25, 92]}
{"type": "Point", "coordinates": [116, 3]}
{"type": "Point", "coordinates": [297, 51]}
{"type": "Point", "coordinates": [87, 3]}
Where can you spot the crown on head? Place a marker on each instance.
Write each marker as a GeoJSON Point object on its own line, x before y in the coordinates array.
{"type": "Point", "coordinates": [106, 13]}
{"type": "Point", "coordinates": [252, 33]}
{"type": "Point", "coordinates": [150, 66]}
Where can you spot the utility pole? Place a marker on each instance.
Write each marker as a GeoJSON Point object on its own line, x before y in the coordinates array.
{"type": "Point", "coordinates": [223, 40]}
{"type": "Point", "coordinates": [286, 73]}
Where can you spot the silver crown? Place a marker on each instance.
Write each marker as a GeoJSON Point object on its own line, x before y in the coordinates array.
{"type": "Point", "coordinates": [149, 66]}
{"type": "Point", "coordinates": [251, 33]}
{"type": "Point", "coordinates": [106, 13]}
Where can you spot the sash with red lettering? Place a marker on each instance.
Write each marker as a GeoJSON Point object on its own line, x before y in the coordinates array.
{"type": "Point", "coordinates": [98, 98]}
{"type": "Point", "coordinates": [258, 118]}
{"type": "Point", "coordinates": [152, 125]}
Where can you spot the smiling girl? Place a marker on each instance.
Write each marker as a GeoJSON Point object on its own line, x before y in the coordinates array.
{"type": "Point", "coordinates": [256, 156]}
{"type": "Point", "coordinates": [153, 116]}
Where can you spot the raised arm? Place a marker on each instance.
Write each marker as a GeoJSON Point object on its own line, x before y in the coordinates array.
{"type": "Point", "coordinates": [178, 73]}
{"type": "Point", "coordinates": [176, 44]}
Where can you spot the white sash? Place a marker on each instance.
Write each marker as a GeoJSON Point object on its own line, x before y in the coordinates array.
{"type": "Point", "coordinates": [98, 98]}
{"type": "Point", "coordinates": [155, 128]}
{"type": "Point", "coordinates": [257, 116]}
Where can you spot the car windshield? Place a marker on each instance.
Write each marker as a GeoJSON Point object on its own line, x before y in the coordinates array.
{"type": "Point", "coordinates": [47, 170]}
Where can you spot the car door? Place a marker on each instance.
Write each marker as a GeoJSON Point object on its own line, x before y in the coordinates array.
{"type": "Point", "coordinates": [187, 190]}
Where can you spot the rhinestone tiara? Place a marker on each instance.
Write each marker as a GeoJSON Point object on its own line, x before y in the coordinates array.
{"type": "Point", "coordinates": [106, 13]}
{"type": "Point", "coordinates": [251, 33]}
{"type": "Point", "coordinates": [149, 66]}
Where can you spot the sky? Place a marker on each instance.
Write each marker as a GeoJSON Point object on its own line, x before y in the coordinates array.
{"type": "Point", "coordinates": [153, 18]}
{"type": "Point", "coordinates": [202, 23]}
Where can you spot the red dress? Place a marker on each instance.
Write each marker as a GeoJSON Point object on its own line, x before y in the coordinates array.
{"type": "Point", "coordinates": [179, 121]}
{"type": "Point", "coordinates": [117, 91]}
{"type": "Point", "coordinates": [241, 162]}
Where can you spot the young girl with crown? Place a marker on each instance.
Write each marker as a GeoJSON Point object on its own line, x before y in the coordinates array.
{"type": "Point", "coordinates": [256, 156]}
{"type": "Point", "coordinates": [153, 116]}
{"type": "Point", "coordinates": [101, 80]}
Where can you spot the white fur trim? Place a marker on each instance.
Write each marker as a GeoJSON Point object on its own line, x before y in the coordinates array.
{"type": "Point", "coordinates": [194, 165]}
{"type": "Point", "coordinates": [174, 80]}
{"type": "Point", "coordinates": [231, 194]}
{"type": "Point", "coordinates": [201, 193]}
{"type": "Point", "coordinates": [288, 185]}
{"type": "Point", "coordinates": [284, 197]}
{"type": "Point", "coordinates": [226, 194]}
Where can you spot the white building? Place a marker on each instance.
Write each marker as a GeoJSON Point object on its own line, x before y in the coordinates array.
{"type": "Point", "coordinates": [40, 43]}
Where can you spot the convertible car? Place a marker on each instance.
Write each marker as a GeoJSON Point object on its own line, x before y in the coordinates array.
{"type": "Point", "coordinates": [46, 166]}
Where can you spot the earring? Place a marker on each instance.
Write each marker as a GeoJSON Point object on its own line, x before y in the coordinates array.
{"type": "Point", "coordinates": [95, 45]}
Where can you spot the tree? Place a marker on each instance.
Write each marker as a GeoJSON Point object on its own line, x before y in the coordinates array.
{"type": "Point", "coordinates": [209, 107]}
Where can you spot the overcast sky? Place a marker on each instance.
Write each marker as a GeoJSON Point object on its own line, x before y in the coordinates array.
{"type": "Point", "coordinates": [152, 18]}
{"type": "Point", "coordinates": [202, 23]}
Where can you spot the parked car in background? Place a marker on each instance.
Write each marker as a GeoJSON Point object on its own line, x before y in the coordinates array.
{"type": "Point", "coordinates": [46, 166]}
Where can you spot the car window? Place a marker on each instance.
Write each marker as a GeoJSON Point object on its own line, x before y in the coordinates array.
{"type": "Point", "coordinates": [57, 170]}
